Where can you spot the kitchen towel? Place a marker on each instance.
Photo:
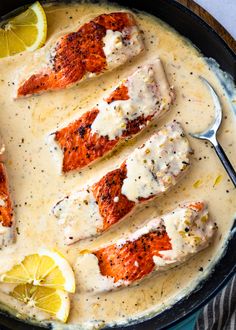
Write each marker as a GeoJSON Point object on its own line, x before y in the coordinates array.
{"type": "Point", "coordinates": [220, 312]}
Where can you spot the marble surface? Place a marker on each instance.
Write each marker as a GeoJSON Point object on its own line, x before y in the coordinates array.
{"type": "Point", "coordinates": [224, 11]}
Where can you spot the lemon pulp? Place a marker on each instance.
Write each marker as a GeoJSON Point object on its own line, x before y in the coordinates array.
{"type": "Point", "coordinates": [27, 31]}
{"type": "Point", "coordinates": [46, 268]}
{"type": "Point", "coordinates": [52, 301]}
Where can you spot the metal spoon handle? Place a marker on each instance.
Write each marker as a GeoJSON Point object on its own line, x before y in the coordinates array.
{"type": "Point", "coordinates": [225, 161]}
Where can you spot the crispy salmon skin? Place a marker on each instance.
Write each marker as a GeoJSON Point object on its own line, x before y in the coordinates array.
{"type": "Point", "coordinates": [7, 228]}
{"type": "Point", "coordinates": [125, 112]}
{"type": "Point", "coordinates": [104, 43]}
{"type": "Point", "coordinates": [149, 171]}
{"type": "Point", "coordinates": [161, 243]}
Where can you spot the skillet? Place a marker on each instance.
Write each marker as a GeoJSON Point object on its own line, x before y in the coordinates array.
{"type": "Point", "coordinates": [211, 45]}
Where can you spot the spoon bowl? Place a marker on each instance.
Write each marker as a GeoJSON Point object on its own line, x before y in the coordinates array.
{"type": "Point", "coordinates": [211, 133]}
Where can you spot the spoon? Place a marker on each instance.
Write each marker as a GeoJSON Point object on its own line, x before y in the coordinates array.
{"type": "Point", "coordinates": [211, 133]}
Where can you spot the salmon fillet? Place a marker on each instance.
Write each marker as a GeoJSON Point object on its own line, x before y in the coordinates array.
{"type": "Point", "coordinates": [7, 228]}
{"type": "Point", "coordinates": [125, 112]}
{"type": "Point", "coordinates": [149, 171]}
{"type": "Point", "coordinates": [102, 44]}
{"type": "Point", "coordinates": [161, 243]}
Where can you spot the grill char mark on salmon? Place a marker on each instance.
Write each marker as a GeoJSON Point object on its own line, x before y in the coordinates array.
{"type": "Point", "coordinates": [84, 53]}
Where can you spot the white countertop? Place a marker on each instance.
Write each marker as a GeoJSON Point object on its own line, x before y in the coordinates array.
{"type": "Point", "coordinates": [224, 11]}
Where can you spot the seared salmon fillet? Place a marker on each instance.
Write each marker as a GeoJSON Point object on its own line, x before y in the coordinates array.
{"type": "Point", "coordinates": [161, 243]}
{"type": "Point", "coordinates": [149, 171]}
{"type": "Point", "coordinates": [125, 112]}
{"type": "Point", "coordinates": [7, 229]}
{"type": "Point", "coordinates": [102, 44]}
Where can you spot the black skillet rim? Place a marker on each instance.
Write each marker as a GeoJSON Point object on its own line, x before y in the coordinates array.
{"type": "Point", "coordinates": [225, 267]}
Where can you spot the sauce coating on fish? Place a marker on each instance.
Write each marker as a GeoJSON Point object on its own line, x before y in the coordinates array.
{"type": "Point", "coordinates": [6, 210]}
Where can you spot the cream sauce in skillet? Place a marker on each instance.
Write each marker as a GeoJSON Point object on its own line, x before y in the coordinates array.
{"type": "Point", "coordinates": [36, 183]}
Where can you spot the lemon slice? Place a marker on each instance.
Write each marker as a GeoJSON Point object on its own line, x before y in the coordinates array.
{"type": "Point", "coordinates": [27, 31]}
{"type": "Point", "coordinates": [46, 268]}
{"type": "Point", "coordinates": [52, 301]}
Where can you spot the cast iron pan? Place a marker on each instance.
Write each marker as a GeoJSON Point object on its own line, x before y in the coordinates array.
{"type": "Point", "coordinates": [211, 45]}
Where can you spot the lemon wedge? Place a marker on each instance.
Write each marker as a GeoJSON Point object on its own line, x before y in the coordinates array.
{"type": "Point", "coordinates": [52, 301]}
{"type": "Point", "coordinates": [46, 268]}
{"type": "Point", "coordinates": [27, 31]}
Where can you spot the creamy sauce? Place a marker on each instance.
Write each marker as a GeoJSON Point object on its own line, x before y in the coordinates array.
{"type": "Point", "coordinates": [118, 50]}
{"type": "Point", "coordinates": [79, 216]}
{"type": "Point", "coordinates": [149, 94]}
{"type": "Point", "coordinates": [200, 230]}
{"type": "Point", "coordinates": [155, 168]}
{"type": "Point", "coordinates": [6, 235]}
{"type": "Point", "coordinates": [35, 183]}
